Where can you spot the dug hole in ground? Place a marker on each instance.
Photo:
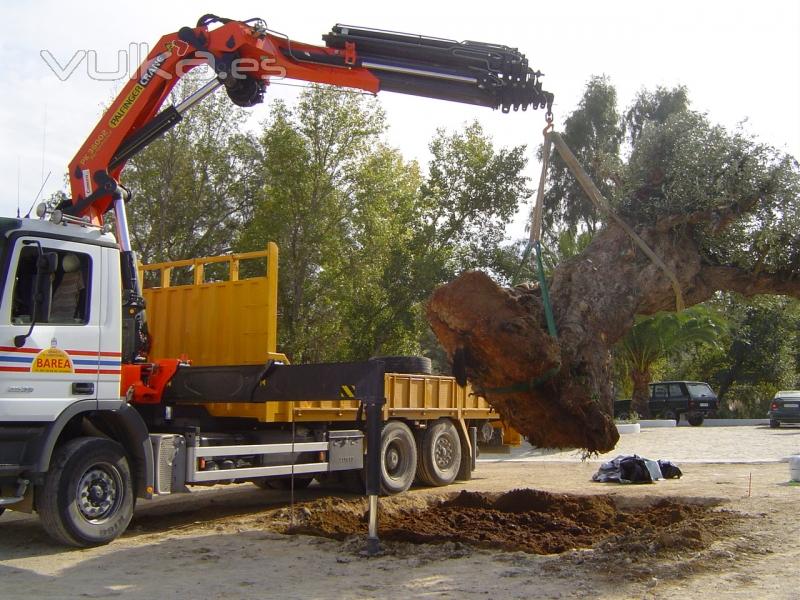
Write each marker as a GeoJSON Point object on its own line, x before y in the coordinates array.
{"type": "Point", "coordinates": [729, 528]}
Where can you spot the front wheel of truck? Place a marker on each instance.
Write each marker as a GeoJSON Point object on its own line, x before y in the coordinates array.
{"type": "Point", "coordinates": [88, 497]}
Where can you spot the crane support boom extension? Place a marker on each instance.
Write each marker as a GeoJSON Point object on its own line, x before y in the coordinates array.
{"type": "Point", "coordinates": [470, 72]}
{"type": "Point", "coordinates": [246, 56]}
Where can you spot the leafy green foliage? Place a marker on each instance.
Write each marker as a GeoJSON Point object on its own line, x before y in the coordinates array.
{"type": "Point", "coordinates": [364, 237]}
{"type": "Point", "coordinates": [308, 158]}
{"type": "Point", "coordinates": [655, 338]}
{"type": "Point", "coordinates": [757, 357]}
{"type": "Point", "coordinates": [594, 133]}
{"type": "Point", "coordinates": [654, 108]}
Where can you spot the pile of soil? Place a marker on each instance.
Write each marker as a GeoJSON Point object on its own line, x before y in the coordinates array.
{"type": "Point", "coordinates": [526, 520]}
{"type": "Point", "coordinates": [498, 340]}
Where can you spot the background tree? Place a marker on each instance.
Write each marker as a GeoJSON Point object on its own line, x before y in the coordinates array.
{"type": "Point", "coordinates": [594, 133]}
{"type": "Point", "coordinates": [308, 158]}
{"type": "Point", "coordinates": [756, 358]}
{"type": "Point", "coordinates": [364, 236]}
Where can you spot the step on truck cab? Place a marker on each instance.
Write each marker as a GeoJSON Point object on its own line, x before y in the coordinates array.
{"type": "Point", "coordinates": [84, 433]}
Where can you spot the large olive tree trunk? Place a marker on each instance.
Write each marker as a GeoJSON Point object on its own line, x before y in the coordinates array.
{"type": "Point", "coordinates": [557, 392]}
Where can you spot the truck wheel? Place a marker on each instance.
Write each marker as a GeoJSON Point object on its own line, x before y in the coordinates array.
{"type": "Point", "coordinates": [398, 458]}
{"type": "Point", "coordinates": [695, 420]}
{"type": "Point", "coordinates": [774, 424]}
{"type": "Point", "coordinates": [87, 498]}
{"type": "Point", "coordinates": [440, 454]}
{"type": "Point", "coordinates": [670, 415]}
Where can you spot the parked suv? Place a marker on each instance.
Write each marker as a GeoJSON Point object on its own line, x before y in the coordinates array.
{"type": "Point", "coordinates": [671, 399]}
{"type": "Point", "coordinates": [785, 408]}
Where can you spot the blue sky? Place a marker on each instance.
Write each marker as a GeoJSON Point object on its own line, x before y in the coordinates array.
{"type": "Point", "coordinates": [740, 61]}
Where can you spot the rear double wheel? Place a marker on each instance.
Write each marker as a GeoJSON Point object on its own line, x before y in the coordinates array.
{"type": "Point", "coordinates": [439, 453]}
{"type": "Point", "coordinates": [398, 458]}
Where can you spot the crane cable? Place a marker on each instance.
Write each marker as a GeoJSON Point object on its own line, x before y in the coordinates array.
{"type": "Point", "coordinates": [535, 231]}
{"type": "Point", "coordinates": [535, 241]}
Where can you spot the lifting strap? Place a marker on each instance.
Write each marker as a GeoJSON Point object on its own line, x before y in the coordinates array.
{"type": "Point", "coordinates": [534, 241]}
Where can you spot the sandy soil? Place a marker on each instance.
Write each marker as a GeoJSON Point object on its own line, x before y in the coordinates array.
{"type": "Point", "coordinates": [227, 543]}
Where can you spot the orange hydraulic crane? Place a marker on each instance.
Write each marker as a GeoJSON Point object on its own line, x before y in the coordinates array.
{"type": "Point", "coordinates": [245, 56]}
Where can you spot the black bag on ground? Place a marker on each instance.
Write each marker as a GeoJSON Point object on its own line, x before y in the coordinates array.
{"type": "Point", "coordinates": [669, 469]}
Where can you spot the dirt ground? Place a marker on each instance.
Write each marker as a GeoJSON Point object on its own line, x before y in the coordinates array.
{"type": "Point", "coordinates": [727, 530]}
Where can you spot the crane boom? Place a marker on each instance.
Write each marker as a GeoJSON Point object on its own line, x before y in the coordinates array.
{"type": "Point", "coordinates": [245, 56]}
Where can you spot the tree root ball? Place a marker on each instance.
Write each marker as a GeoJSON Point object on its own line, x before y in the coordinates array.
{"type": "Point", "coordinates": [498, 340]}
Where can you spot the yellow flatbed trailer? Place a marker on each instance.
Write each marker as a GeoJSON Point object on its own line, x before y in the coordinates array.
{"type": "Point", "coordinates": [222, 312]}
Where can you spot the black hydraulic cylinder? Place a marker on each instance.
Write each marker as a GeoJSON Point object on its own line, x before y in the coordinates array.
{"type": "Point", "coordinates": [140, 139]}
{"type": "Point", "coordinates": [372, 409]}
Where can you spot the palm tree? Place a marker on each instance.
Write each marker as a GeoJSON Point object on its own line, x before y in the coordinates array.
{"type": "Point", "coordinates": [656, 337]}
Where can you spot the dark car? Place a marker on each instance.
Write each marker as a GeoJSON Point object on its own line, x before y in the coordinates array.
{"type": "Point", "coordinates": [671, 399]}
{"type": "Point", "coordinates": [785, 408]}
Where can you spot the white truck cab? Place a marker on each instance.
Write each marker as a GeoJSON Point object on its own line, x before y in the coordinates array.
{"type": "Point", "coordinates": [71, 351]}
{"type": "Point", "coordinates": [60, 370]}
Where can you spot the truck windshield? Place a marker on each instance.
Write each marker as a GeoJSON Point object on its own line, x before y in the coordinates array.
{"type": "Point", "coordinates": [696, 390]}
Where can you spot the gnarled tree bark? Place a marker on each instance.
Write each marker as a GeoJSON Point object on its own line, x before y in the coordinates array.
{"type": "Point", "coordinates": [557, 392]}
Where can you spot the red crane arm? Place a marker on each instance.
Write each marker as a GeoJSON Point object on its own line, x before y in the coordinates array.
{"type": "Point", "coordinates": [246, 55]}
{"type": "Point", "coordinates": [258, 55]}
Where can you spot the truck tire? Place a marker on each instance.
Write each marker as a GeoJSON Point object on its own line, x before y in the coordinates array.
{"type": "Point", "coordinates": [398, 458]}
{"type": "Point", "coordinates": [414, 365]}
{"type": "Point", "coordinates": [440, 453]}
{"type": "Point", "coordinates": [695, 420]}
{"type": "Point", "coordinates": [671, 415]}
{"type": "Point", "coordinates": [88, 496]}
{"type": "Point", "coordinates": [774, 423]}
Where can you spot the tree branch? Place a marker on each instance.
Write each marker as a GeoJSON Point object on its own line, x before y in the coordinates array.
{"type": "Point", "coordinates": [719, 217]}
{"type": "Point", "coordinates": [747, 283]}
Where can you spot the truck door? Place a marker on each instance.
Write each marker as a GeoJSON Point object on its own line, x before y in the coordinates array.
{"type": "Point", "coordinates": [60, 362]}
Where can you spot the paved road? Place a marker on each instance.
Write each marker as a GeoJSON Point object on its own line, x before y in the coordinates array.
{"type": "Point", "coordinates": [743, 444]}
